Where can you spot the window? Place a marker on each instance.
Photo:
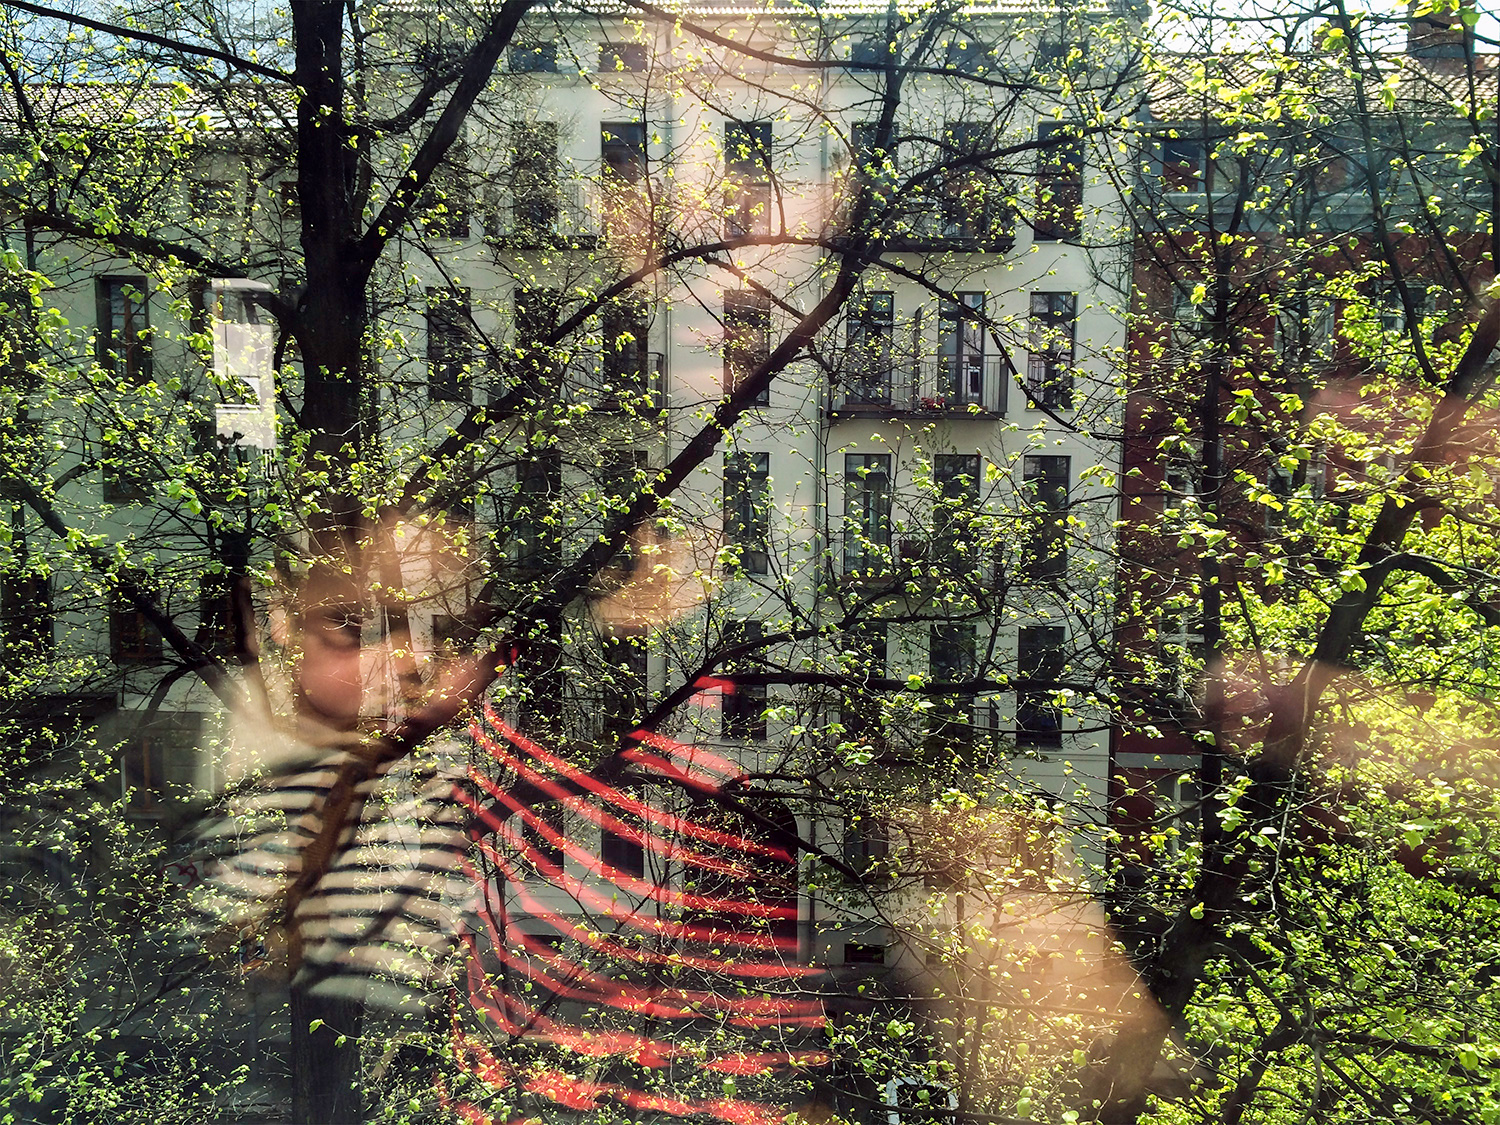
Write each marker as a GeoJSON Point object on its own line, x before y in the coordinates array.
{"type": "Point", "coordinates": [625, 688]}
{"type": "Point", "coordinates": [747, 178]}
{"type": "Point", "coordinates": [1196, 164]}
{"type": "Point", "coordinates": [1305, 329]}
{"type": "Point", "coordinates": [747, 516]}
{"type": "Point", "coordinates": [867, 511]}
{"type": "Point", "coordinates": [543, 676]}
{"type": "Point", "coordinates": [1039, 660]}
{"type": "Point", "coordinates": [1046, 550]}
{"type": "Point", "coordinates": [1049, 370]}
{"type": "Point", "coordinates": [1059, 183]}
{"type": "Point", "coordinates": [961, 349]}
{"type": "Point", "coordinates": [450, 343]}
{"type": "Point", "coordinates": [625, 360]}
{"type": "Point", "coordinates": [956, 478]}
{"type": "Point", "coordinates": [620, 477]}
{"type": "Point", "coordinates": [26, 617]}
{"type": "Point", "coordinates": [540, 59]}
{"type": "Point", "coordinates": [616, 57]}
{"type": "Point", "coordinates": [533, 184]}
{"type": "Point", "coordinates": [869, 372]}
{"type": "Point", "coordinates": [133, 639]}
{"type": "Point", "coordinates": [915, 1101]}
{"type": "Point", "coordinates": [123, 482]}
{"type": "Point", "coordinates": [535, 318]}
{"type": "Point", "coordinates": [866, 843]}
{"type": "Point", "coordinates": [950, 659]}
{"type": "Point", "coordinates": [863, 953]}
{"type": "Point", "coordinates": [159, 763]}
{"type": "Point", "coordinates": [747, 339]}
{"type": "Point", "coordinates": [542, 837]}
{"type": "Point", "coordinates": [744, 705]}
{"type": "Point", "coordinates": [967, 204]}
{"type": "Point", "coordinates": [872, 162]}
{"type": "Point", "coordinates": [124, 336]}
{"type": "Point", "coordinates": [1177, 808]}
{"type": "Point", "coordinates": [966, 52]}
{"type": "Point", "coordinates": [867, 653]}
{"type": "Point", "coordinates": [626, 854]}
{"type": "Point", "coordinates": [286, 196]}
{"type": "Point", "coordinates": [871, 50]}
{"type": "Point", "coordinates": [210, 199]}
{"type": "Point", "coordinates": [1182, 163]}
{"type": "Point", "coordinates": [622, 147]}
{"type": "Point", "coordinates": [1281, 484]}
{"type": "Point", "coordinates": [534, 529]}
{"type": "Point", "coordinates": [447, 201]}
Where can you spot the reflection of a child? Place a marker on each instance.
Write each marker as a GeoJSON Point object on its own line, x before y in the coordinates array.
{"type": "Point", "coordinates": [339, 851]}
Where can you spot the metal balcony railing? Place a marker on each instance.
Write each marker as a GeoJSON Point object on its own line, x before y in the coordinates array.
{"type": "Point", "coordinates": [946, 385]}
{"type": "Point", "coordinates": [625, 382]}
{"type": "Point", "coordinates": [950, 223]}
{"type": "Point", "coordinates": [565, 210]}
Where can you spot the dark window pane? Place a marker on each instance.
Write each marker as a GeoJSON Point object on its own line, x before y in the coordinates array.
{"type": "Point", "coordinates": [133, 639]}
{"type": "Point", "coordinates": [961, 348]}
{"type": "Point", "coordinates": [544, 852]}
{"type": "Point", "coordinates": [1059, 191]}
{"type": "Point", "coordinates": [617, 57]}
{"type": "Point", "coordinates": [1039, 657]}
{"type": "Point", "coordinates": [624, 332]}
{"type": "Point", "coordinates": [26, 617]}
{"type": "Point", "coordinates": [744, 707]}
{"type": "Point", "coordinates": [534, 529]}
{"type": "Point", "coordinates": [533, 186]}
{"type": "Point", "coordinates": [867, 511]}
{"type": "Point", "coordinates": [747, 338]}
{"type": "Point", "coordinates": [622, 146]}
{"type": "Point", "coordinates": [124, 332]}
{"type": "Point", "coordinates": [450, 343]}
{"type": "Point", "coordinates": [1049, 370]}
{"type": "Point", "coordinates": [1047, 483]}
{"type": "Point", "coordinates": [869, 370]}
{"type": "Point", "coordinates": [535, 319]}
{"type": "Point", "coordinates": [540, 59]}
{"type": "Point", "coordinates": [747, 517]}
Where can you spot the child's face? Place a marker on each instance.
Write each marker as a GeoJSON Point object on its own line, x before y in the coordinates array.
{"type": "Point", "coordinates": [357, 629]}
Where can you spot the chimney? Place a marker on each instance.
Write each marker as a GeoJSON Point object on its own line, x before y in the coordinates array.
{"type": "Point", "coordinates": [1441, 33]}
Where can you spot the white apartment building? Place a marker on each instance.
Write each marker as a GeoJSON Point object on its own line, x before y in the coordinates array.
{"type": "Point", "coordinates": [926, 494]}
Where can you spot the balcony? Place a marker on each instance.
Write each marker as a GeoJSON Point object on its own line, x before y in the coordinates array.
{"type": "Point", "coordinates": [947, 222]}
{"type": "Point", "coordinates": [949, 386]}
{"type": "Point", "coordinates": [568, 214]}
{"type": "Point", "coordinates": [625, 383]}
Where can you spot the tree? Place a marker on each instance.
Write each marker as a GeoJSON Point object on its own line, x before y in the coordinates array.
{"type": "Point", "coordinates": [1316, 333]}
{"type": "Point", "coordinates": [338, 149]}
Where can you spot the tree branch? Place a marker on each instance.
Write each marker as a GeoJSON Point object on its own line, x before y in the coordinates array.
{"type": "Point", "coordinates": [147, 37]}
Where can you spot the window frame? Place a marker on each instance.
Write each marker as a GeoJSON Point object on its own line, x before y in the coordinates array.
{"type": "Point", "coordinates": [867, 511]}
{"type": "Point", "coordinates": [123, 349]}
{"type": "Point", "coordinates": [1053, 353]}
{"type": "Point", "coordinates": [747, 514]}
{"type": "Point", "coordinates": [451, 342]}
{"type": "Point", "coordinates": [747, 339]}
{"type": "Point", "coordinates": [1060, 175]}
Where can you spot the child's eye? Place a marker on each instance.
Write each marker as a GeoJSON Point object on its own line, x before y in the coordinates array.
{"type": "Point", "coordinates": [338, 627]}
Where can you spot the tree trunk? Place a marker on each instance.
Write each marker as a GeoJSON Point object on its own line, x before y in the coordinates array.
{"type": "Point", "coordinates": [326, 1082]}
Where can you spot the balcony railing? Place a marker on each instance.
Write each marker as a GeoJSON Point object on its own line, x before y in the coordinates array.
{"type": "Point", "coordinates": [949, 223]}
{"type": "Point", "coordinates": [948, 385]}
{"type": "Point", "coordinates": [627, 382]}
{"type": "Point", "coordinates": [568, 211]}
